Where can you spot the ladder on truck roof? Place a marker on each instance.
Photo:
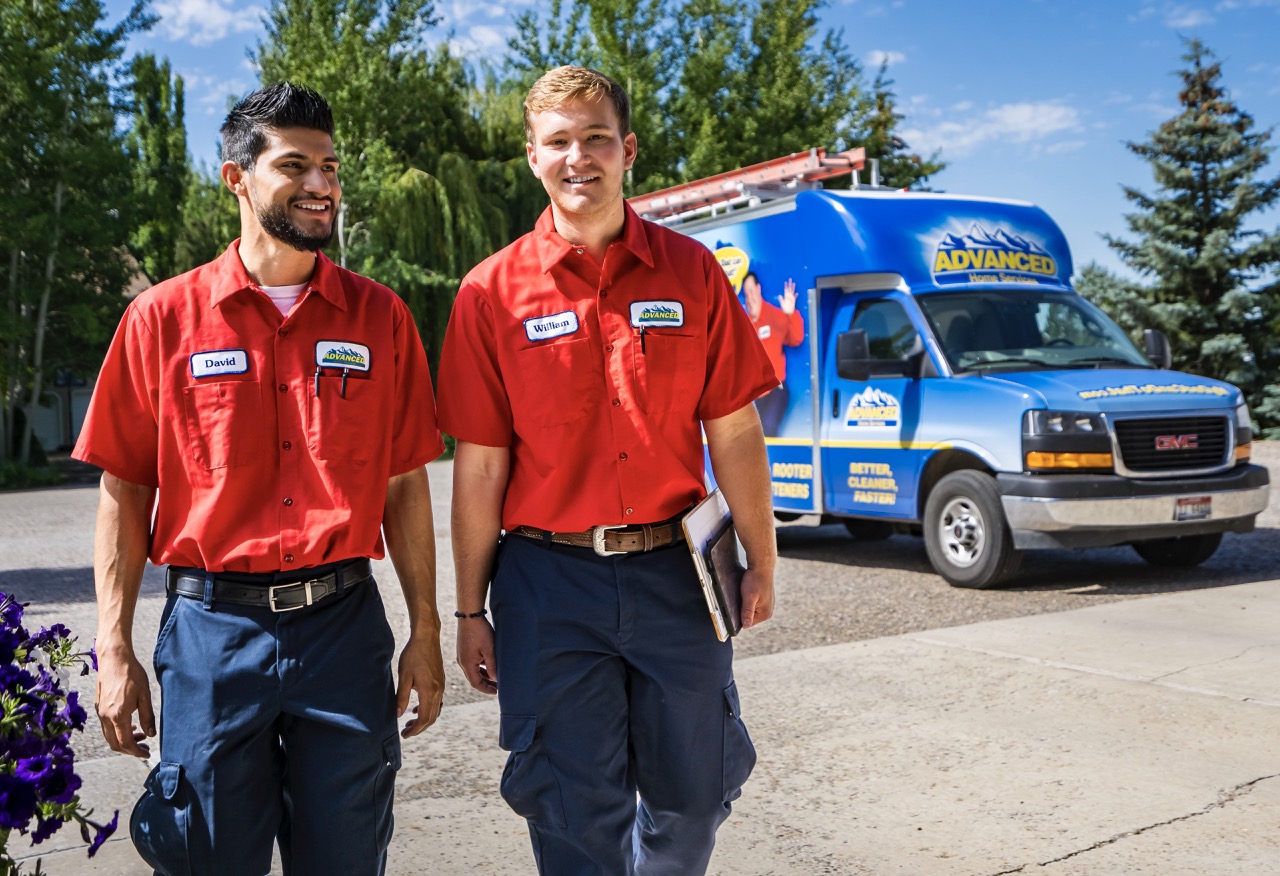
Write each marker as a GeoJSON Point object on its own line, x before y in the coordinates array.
{"type": "Point", "coordinates": [747, 186]}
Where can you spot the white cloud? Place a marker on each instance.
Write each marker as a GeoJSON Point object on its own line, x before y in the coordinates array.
{"type": "Point", "coordinates": [1025, 123]}
{"type": "Point", "coordinates": [1183, 17]}
{"type": "Point", "coordinates": [878, 57]}
{"type": "Point", "coordinates": [201, 22]}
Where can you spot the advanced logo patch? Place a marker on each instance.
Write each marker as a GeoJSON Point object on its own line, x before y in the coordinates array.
{"type": "Point", "coordinates": [657, 314]}
{"type": "Point", "coordinates": [342, 354]}
{"type": "Point", "coordinates": [214, 362]}
{"type": "Point", "coordinates": [872, 407]}
{"type": "Point", "coordinates": [985, 256]}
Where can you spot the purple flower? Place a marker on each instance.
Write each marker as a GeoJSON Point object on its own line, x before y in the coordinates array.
{"type": "Point", "coordinates": [60, 783]}
{"type": "Point", "coordinates": [17, 802]}
{"type": "Point", "coordinates": [33, 769]}
{"type": "Point", "coordinates": [73, 713]}
{"type": "Point", "coordinates": [10, 610]}
{"type": "Point", "coordinates": [102, 832]}
{"type": "Point", "coordinates": [45, 828]}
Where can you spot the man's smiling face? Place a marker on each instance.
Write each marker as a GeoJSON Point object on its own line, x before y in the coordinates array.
{"type": "Point", "coordinates": [294, 188]}
{"type": "Point", "coordinates": [580, 154]}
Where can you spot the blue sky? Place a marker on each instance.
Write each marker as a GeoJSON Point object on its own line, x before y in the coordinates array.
{"type": "Point", "coordinates": [1031, 99]}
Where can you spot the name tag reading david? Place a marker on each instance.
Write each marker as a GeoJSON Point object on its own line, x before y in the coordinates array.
{"type": "Point", "coordinates": [543, 327]}
{"type": "Point", "coordinates": [214, 362]}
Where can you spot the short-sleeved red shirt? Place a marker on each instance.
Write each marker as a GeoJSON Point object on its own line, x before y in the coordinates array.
{"type": "Point", "coordinates": [776, 328]}
{"type": "Point", "coordinates": [209, 394]}
{"type": "Point", "coordinates": [544, 354]}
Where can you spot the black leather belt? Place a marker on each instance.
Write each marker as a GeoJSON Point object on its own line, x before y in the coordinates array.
{"type": "Point", "coordinates": [279, 591]}
{"type": "Point", "coordinates": [609, 540]}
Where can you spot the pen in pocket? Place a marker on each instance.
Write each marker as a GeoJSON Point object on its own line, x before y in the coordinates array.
{"type": "Point", "coordinates": [642, 340]}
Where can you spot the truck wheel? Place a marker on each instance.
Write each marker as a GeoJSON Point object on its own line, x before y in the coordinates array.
{"type": "Point", "coordinates": [869, 530]}
{"type": "Point", "coordinates": [1189, 550]}
{"type": "Point", "coordinates": [965, 533]}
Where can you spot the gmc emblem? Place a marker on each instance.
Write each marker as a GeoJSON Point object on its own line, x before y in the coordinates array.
{"type": "Point", "coordinates": [1177, 442]}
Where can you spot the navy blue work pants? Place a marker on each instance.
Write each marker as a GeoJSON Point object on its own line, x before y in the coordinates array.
{"type": "Point", "coordinates": [272, 725]}
{"type": "Point", "coordinates": [613, 687]}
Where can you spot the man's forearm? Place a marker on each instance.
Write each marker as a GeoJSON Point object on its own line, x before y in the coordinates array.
{"type": "Point", "coordinates": [409, 530]}
{"type": "Point", "coordinates": [741, 465]}
{"type": "Point", "coordinates": [121, 538]}
{"type": "Point", "coordinates": [479, 487]}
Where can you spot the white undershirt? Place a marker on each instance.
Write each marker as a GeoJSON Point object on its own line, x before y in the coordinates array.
{"type": "Point", "coordinates": [284, 297]}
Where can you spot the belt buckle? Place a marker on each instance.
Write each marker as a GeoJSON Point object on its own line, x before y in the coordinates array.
{"type": "Point", "coordinates": [271, 595]}
{"type": "Point", "coordinates": [597, 540]}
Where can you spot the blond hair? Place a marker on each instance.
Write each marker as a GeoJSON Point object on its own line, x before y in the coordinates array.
{"type": "Point", "coordinates": [563, 84]}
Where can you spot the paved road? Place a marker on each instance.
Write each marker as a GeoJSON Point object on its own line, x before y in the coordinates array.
{"type": "Point", "coordinates": [831, 589]}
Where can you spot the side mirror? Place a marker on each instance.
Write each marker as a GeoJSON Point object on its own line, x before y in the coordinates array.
{"type": "Point", "coordinates": [1156, 346]}
{"type": "Point", "coordinates": [853, 356]}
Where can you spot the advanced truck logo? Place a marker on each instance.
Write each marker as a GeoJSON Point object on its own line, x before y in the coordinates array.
{"type": "Point", "coordinates": [872, 407]}
{"type": "Point", "coordinates": [986, 256]}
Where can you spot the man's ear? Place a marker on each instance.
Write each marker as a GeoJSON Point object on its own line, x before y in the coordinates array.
{"type": "Point", "coordinates": [233, 177]}
{"type": "Point", "coordinates": [532, 156]}
{"type": "Point", "coordinates": [629, 148]}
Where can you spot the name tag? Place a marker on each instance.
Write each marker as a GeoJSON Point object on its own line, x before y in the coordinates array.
{"type": "Point", "coordinates": [342, 354]}
{"type": "Point", "coordinates": [764, 331]}
{"type": "Point", "coordinates": [656, 314]}
{"type": "Point", "coordinates": [543, 327]}
{"type": "Point", "coordinates": [214, 362]}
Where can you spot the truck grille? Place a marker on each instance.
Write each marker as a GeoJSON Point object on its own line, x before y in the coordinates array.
{"type": "Point", "coordinates": [1159, 444]}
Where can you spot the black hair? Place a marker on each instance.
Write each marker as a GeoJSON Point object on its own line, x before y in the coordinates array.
{"type": "Point", "coordinates": [279, 106]}
{"type": "Point", "coordinates": [750, 275]}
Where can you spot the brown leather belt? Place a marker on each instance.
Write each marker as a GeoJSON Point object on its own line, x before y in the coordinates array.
{"type": "Point", "coordinates": [609, 540]}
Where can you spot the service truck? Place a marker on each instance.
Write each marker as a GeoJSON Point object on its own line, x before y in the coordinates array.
{"type": "Point", "coordinates": [947, 379]}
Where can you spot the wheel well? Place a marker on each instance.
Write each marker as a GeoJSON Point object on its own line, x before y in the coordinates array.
{"type": "Point", "coordinates": [941, 464]}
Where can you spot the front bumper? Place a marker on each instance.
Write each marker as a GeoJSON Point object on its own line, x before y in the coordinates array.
{"type": "Point", "coordinates": [1049, 511]}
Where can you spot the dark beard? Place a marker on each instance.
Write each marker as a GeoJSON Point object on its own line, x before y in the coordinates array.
{"type": "Point", "coordinates": [274, 220]}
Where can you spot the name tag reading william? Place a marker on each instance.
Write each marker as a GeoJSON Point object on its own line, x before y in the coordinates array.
{"type": "Point", "coordinates": [212, 363]}
{"type": "Point", "coordinates": [543, 327]}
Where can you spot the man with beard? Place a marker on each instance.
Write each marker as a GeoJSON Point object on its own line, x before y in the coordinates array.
{"type": "Point", "coordinates": [276, 411]}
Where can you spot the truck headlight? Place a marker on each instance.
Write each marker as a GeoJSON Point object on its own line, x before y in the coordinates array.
{"type": "Point", "coordinates": [1066, 441]}
{"type": "Point", "coordinates": [1244, 434]}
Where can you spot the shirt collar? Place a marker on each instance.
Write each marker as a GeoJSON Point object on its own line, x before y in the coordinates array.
{"type": "Point", "coordinates": [230, 277]}
{"type": "Point", "coordinates": [552, 248]}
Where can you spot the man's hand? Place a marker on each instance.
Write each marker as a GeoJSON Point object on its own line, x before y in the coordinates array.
{"type": "Point", "coordinates": [475, 654]}
{"type": "Point", "coordinates": [123, 689]}
{"type": "Point", "coordinates": [757, 598]}
{"type": "Point", "coordinates": [787, 299]}
{"type": "Point", "coordinates": [421, 670]}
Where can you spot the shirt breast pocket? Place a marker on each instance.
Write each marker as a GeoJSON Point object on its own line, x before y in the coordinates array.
{"type": "Point", "coordinates": [344, 422]}
{"type": "Point", "coordinates": [224, 423]}
{"type": "Point", "coordinates": [554, 382]}
{"type": "Point", "coordinates": [669, 371]}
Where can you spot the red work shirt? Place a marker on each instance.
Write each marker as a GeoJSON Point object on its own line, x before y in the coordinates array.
{"type": "Point", "coordinates": [544, 354]}
{"type": "Point", "coordinates": [209, 394]}
{"type": "Point", "coordinates": [775, 328]}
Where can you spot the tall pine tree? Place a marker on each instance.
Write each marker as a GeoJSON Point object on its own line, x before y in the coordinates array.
{"type": "Point", "coordinates": [1193, 241]}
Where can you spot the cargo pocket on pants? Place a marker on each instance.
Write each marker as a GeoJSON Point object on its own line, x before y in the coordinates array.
{"type": "Point", "coordinates": [161, 819]}
{"type": "Point", "coordinates": [529, 783]}
{"type": "Point", "coordinates": [384, 787]}
{"type": "Point", "coordinates": [739, 753]}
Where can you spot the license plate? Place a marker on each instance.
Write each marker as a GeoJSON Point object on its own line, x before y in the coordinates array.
{"type": "Point", "coordinates": [1193, 508]}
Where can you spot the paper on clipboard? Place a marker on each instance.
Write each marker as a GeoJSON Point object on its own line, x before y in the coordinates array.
{"type": "Point", "coordinates": [713, 543]}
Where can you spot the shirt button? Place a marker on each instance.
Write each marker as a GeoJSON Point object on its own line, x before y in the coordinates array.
{"type": "Point", "coordinates": [283, 332]}
{"type": "Point", "coordinates": [288, 445]}
{"type": "Point", "coordinates": [617, 402]}
{"type": "Point", "coordinates": [579, 251]}
{"type": "Point", "coordinates": [288, 558]}
{"type": "Point", "coordinates": [609, 348]}
{"type": "Point", "coordinates": [284, 388]}
{"type": "Point", "coordinates": [604, 294]}
{"type": "Point", "coordinates": [622, 456]}
{"type": "Point", "coordinates": [631, 510]}
{"type": "Point", "coordinates": [288, 501]}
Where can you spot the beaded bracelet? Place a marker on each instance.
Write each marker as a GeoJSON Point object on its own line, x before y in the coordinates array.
{"type": "Point", "coordinates": [481, 613]}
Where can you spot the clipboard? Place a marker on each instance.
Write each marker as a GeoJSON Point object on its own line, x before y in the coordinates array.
{"type": "Point", "coordinates": [713, 543]}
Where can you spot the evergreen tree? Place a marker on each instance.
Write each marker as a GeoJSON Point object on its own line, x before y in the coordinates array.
{"type": "Point", "coordinates": [157, 148]}
{"type": "Point", "coordinates": [899, 169]}
{"type": "Point", "coordinates": [1193, 241]}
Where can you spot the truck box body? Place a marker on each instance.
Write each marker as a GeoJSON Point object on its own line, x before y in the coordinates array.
{"type": "Point", "coordinates": [981, 358]}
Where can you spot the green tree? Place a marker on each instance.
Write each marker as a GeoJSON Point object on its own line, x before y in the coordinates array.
{"type": "Point", "coordinates": [899, 168]}
{"type": "Point", "coordinates": [1192, 237]}
{"type": "Point", "coordinates": [157, 148]}
{"type": "Point", "coordinates": [69, 183]}
{"type": "Point", "coordinates": [209, 219]}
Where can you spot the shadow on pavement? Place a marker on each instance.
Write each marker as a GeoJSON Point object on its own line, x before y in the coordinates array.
{"type": "Point", "coordinates": [65, 585]}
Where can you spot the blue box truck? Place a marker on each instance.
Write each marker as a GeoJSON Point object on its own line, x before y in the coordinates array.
{"type": "Point", "coordinates": [946, 378]}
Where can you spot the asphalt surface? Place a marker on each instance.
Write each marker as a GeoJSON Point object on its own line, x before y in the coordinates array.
{"type": "Point", "coordinates": [831, 591]}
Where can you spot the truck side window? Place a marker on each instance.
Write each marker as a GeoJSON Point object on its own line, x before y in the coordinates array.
{"type": "Point", "coordinates": [890, 334]}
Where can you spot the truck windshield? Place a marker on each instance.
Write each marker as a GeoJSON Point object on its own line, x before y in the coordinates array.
{"type": "Point", "coordinates": [1004, 329]}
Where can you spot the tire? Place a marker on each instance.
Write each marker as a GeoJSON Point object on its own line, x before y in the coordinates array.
{"type": "Point", "coordinates": [1186, 551]}
{"type": "Point", "coordinates": [868, 530]}
{"type": "Point", "coordinates": [965, 532]}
